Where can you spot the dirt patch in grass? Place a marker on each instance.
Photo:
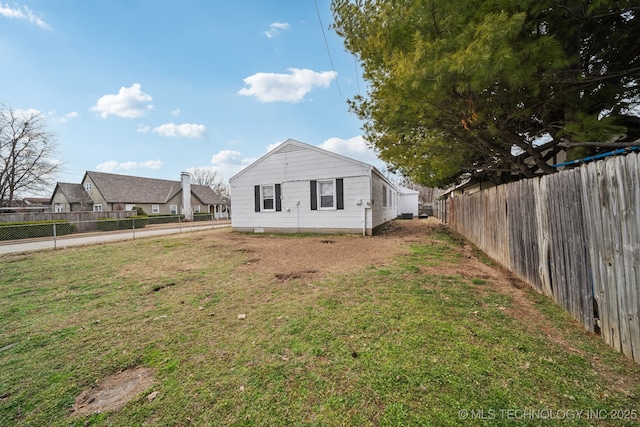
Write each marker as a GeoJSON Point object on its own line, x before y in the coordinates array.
{"type": "Point", "coordinates": [113, 392]}
{"type": "Point", "coordinates": [287, 256]}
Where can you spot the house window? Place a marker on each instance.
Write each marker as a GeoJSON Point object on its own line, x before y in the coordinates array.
{"type": "Point", "coordinates": [155, 209]}
{"type": "Point", "coordinates": [384, 196]}
{"type": "Point", "coordinates": [173, 209]}
{"type": "Point", "coordinates": [196, 209]}
{"type": "Point", "coordinates": [326, 194]}
{"type": "Point", "coordinates": [87, 186]}
{"type": "Point", "coordinates": [57, 208]}
{"type": "Point", "coordinates": [130, 207]}
{"type": "Point", "coordinates": [268, 197]}
{"type": "Point", "coordinates": [97, 208]}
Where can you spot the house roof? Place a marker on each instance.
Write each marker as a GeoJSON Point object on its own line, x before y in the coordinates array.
{"type": "Point", "coordinates": [206, 195]}
{"type": "Point", "coordinates": [74, 193]}
{"type": "Point", "coordinates": [405, 190]}
{"type": "Point", "coordinates": [31, 201]}
{"type": "Point", "coordinates": [294, 145]}
{"type": "Point", "coordinates": [132, 189]}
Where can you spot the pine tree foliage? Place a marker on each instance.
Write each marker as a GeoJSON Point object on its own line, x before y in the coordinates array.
{"type": "Point", "coordinates": [454, 86]}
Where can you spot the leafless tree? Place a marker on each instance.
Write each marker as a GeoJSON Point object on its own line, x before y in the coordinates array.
{"type": "Point", "coordinates": [208, 176]}
{"type": "Point", "coordinates": [26, 154]}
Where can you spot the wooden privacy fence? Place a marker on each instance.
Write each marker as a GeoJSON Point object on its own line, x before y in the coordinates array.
{"type": "Point", "coordinates": [84, 220]}
{"type": "Point", "coordinates": [573, 236]}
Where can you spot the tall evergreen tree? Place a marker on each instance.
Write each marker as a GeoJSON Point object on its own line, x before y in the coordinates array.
{"type": "Point", "coordinates": [461, 85]}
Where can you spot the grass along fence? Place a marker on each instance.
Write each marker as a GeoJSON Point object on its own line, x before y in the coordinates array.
{"type": "Point", "coordinates": [573, 236]}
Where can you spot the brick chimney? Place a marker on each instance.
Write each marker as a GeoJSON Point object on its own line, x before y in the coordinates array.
{"type": "Point", "coordinates": [187, 209]}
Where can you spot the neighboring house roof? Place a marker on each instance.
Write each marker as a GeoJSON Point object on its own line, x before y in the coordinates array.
{"type": "Point", "coordinates": [207, 195]}
{"type": "Point", "coordinates": [36, 201]}
{"type": "Point", "coordinates": [132, 189]}
{"type": "Point", "coordinates": [74, 193]}
{"type": "Point", "coordinates": [124, 188]}
{"type": "Point", "coordinates": [405, 190]}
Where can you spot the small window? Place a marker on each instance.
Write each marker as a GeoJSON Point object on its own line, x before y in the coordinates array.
{"type": "Point", "coordinates": [87, 186]}
{"type": "Point", "coordinates": [327, 194]}
{"type": "Point", "coordinates": [196, 209]}
{"type": "Point", "coordinates": [173, 209]}
{"type": "Point", "coordinates": [268, 197]}
{"type": "Point", "coordinates": [384, 196]}
{"type": "Point", "coordinates": [155, 209]}
{"type": "Point", "coordinates": [97, 208]}
{"type": "Point", "coordinates": [58, 208]}
{"type": "Point", "coordinates": [130, 207]}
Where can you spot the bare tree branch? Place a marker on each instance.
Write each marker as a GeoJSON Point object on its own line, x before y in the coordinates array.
{"type": "Point", "coordinates": [27, 153]}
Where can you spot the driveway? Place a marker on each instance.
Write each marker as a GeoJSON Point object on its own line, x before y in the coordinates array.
{"type": "Point", "coordinates": [16, 246]}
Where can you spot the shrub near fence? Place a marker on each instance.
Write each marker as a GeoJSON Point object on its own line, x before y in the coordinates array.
{"type": "Point", "coordinates": [164, 219]}
{"type": "Point", "coordinates": [110, 224]}
{"type": "Point", "coordinates": [573, 236]}
{"type": "Point", "coordinates": [27, 230]}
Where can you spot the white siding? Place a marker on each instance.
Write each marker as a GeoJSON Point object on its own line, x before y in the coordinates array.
{"type": "Point", "coordinates": [408, 201]}
{"type": "Point", "coordinates": [294, 165]}
{"type": "Point", "coordinates": [382, 213]}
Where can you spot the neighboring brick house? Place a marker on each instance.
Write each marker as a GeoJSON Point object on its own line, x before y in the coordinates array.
{"type": "Point", "coordinates": [110, 192]}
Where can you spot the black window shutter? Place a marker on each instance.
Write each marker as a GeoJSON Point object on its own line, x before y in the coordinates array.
{"type": "Point", "coordinates": [340, 193]}
{"type": "Point", "coordinates": [256, 191]}
{"type": "Point", "coordinates": [278, 201]}
{"type": "Point", "coordinates": [314, 195]}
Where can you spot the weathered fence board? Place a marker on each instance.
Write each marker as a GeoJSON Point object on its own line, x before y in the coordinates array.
{"type": "Point", "coordinates": [573, 236]}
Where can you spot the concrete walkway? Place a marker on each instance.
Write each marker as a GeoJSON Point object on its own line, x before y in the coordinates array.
{"type": "Point", "coordinates": [17, 246]}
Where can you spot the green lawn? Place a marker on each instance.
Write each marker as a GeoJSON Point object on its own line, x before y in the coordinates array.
{"type": "Point", "coordinates": [384, 346]}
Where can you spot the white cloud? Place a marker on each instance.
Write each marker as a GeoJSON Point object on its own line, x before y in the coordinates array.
{"type": "Point", "coordinates": [272, 87]}
{"type": "Point", "coordinates": [355, 148]}
{"type": "Point", "coordinates": [113, 166]}
{"type": "Point", "coordinates": [185, 130]}
{"type": "Point", "coordinates": [229, 162]}
{"type": "Point", "coordinates": [151, 164]}
{"type": "Point", "coordinates": [176, 112]}
{"type": "Point", "coordinates": [22, 13]}
{"type": "Point", "coordinates": [272, 146]}
{"type": "Point", "coordinates": [129, 102]}
{"type": "Point", "coordinates": [142, 128]}
{"type": "Point", "coordinates": [276, 28]}
{"type": "Point", "coordinates": [227, 157]}
{"type": "Point", "coordinates": [25, 114]}
{"type": "Point", "coordinates": [69, 116]}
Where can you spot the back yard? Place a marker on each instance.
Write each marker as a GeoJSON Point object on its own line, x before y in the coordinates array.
{"type": "Point", "coordinates": [413, 327]}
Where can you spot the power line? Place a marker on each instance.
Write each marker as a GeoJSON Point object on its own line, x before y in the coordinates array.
{"type": "Point", "coordinates": [328, 51]}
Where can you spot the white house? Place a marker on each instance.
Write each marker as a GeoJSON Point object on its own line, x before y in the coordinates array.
{"type": "Point", "coordinates": [297, 187]}
{"type": "Point", "coordinates": [408, 201]}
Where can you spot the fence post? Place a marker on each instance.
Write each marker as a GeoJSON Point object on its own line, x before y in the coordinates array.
{"type": "Point", "coordinates": [55, 246]}
{"type": "Point", "coordinates": [133, 227]}
{"type": "Point", "coordinates": [179, 224]}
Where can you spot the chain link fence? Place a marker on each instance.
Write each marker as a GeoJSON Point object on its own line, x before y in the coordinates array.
{"type": "Point", "coordinates": [58, 231]}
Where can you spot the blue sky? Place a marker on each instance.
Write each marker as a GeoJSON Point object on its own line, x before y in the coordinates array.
{"type": "Point", "coordinates": [155, 87]}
